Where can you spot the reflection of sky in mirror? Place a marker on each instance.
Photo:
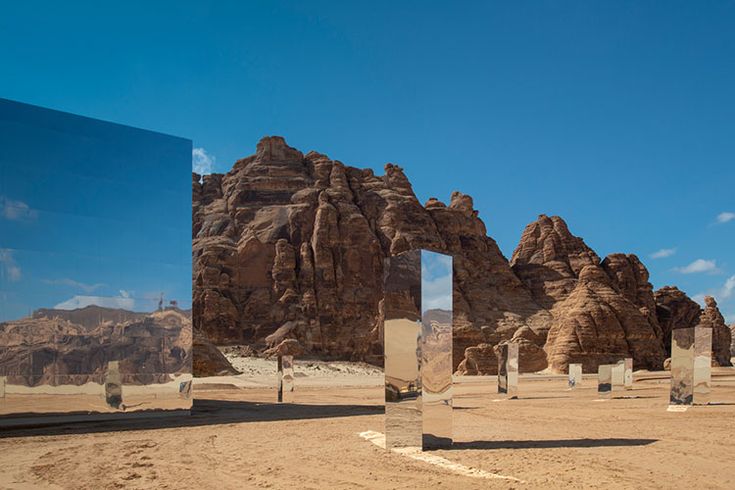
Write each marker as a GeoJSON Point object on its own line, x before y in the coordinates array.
{"type": "Point", "coordinates": [436, 281]}
{"type": "Point", "coordinates": [91, 213]}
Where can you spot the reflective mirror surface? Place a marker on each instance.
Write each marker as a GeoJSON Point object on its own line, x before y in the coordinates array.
{"type": "Point", "coordinates": [285, 379]}
{"type": "Point", "coordinates": [95, 268]}
{"type": "Point", "coordinates": [618, 375]}
{"type": "Point", "coordinates": [575, 375]}
{"type": "Point", "coordinates": [508, 369]}
{"type": "Point", "coordinates": [702, 365]}
{"type": "Point", "coordinates": [682, 366]}
{"type": "Point", "coordinates": [628, 375]}
{"type": "Point", "coordinates": [436, 349]}
{"type": "Point", "coordinates": [604, 380]}
{"type": "Point", "coordinates": [418, 350]}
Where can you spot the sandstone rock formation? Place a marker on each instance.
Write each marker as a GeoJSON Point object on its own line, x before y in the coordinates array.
{"type": "Point", "coordinates": [721, 336]}
{"type": "Point", "coordinates": [286, 237]}
{"type": "Point", "coordinates": [288, 246]}
{"type": "Point", "coordinates": [208, 360]}
{"type": "Point", "coordinates": [602, 311]}
{"type": "Point", "coordinates": [732, 341]}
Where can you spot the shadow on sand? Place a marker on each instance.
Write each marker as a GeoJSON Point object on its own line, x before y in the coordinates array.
{"type": "Point", "coordinates": [551, 444]}
{"type": "Point", "coordinates": [204, 412]}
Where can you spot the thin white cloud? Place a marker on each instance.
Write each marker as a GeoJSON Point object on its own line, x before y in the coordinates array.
{"type": "Point", "coordinates": [699, 298]}
{"type": "Point", "coordinates": [725, 217]}
{"type": "Point", "coordinates": [9, 268]}
{"type": "Point", "coordinates": [76, 302]}
{"type": "Point", "coordinates": [16, 210]}
{"type": "Point", "coordinates": [663, 253]}
{"type": "Point", "coordinates": [201, 161]}
{"type": "Point", "coordinates": [699, 266]}
{"type": "Point", "coordinates": [728, 289]}
{"type": "Point", "coordinates": [87, 288]}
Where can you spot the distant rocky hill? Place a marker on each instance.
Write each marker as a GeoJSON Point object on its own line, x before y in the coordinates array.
{"type": "Point", "coordinates": [294, 244]}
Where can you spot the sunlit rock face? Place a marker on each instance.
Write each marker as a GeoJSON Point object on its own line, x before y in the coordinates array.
{"type": "Point", "coordinates": [291, 239]}
{"type": "Point", "coordinates": [289, 245]}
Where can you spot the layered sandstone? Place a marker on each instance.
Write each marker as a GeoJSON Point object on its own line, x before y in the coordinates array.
{"type": "Point", "coordinates": [675, 310]}
{"type": "Point", "coordinates": [721, 336]}
{"type": "Point", "coordinates": [299, 240]}
{"type": "Point", "coordinates": [602, 311]}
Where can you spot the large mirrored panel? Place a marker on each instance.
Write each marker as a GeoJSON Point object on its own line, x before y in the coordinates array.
{"type": "Point", "coordinates": [604, 380]}
{"type": "Point", "coordinates": [682, 366]}
{"type": "Point", "coordinates": [618, 375]}
{"type": "Point", "coordinates": [702, 365]}
{"type": "Point", "coordinates": [508, 369]}
{"type": "Point", "coordinates": [95, 268]}
{"type": "Point", "coordinates": [436, 350]}
{"type": "Point", "coordinates": [285, 379]}
{"type": "Point", "coordinates": [575, 376]}
{"type": "Point", "coordinates": [418, 350]}
{"type": "Point", "coordinates": [402, 350]}
{"type": "Point", "coordinates": [628, 374]}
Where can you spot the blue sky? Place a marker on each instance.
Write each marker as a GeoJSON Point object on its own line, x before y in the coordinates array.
{"type": "Point", "coordinates": [617, 116]}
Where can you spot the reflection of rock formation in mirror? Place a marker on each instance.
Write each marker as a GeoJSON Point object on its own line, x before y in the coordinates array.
{"type": "Point", "coordinates": [49, 355]}
{"type": "Point", "coordinates": [682, 366]}
{"type": "Point", "coordinates": [285, 379]}
{"type": "Point", "coordinates": [507, 354]}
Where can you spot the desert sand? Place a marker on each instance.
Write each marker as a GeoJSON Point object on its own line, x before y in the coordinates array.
{"type": "Point", "coordinates": [237, 437]}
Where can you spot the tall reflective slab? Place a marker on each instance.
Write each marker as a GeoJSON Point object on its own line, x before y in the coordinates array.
{"type": "Point", "coordinates": [628, 374]}
{"type": "Point", "coordinates": [604, 380]}
{"type": "Point", "coordinates": [618, 375]}
{"type": "Point", "coordinates": [285, 379]}
{"type": "Point", "coordinates": [417, 337]}
{"type": "Point", "coordinates": [682, 366]}
{"type": "Point", "coordinates": [95, 269]}
{"type": "Point", "coordinates": [702, 365]}
{"type": "Point", "coordinates": [575, 376]}
{"type": "Point", "coordinates": [508, 370]}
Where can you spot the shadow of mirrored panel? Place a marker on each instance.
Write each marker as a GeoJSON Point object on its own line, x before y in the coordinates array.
{"type": "Point", "coordinates": [95, 298]}
{"type": "Point", "coordinates": [682, 366]}
{"type": "Point", "coordinates": [604, 380]}
{"type": "Point", "coordinates": [702, 365]}
{"type": "Point", "coordinates": [508, 370]}
{"type": "Point", "coordinates": [402, 350]}
{"type": "Point", "coordinates": [575, 376]}
{"type": "Point", "coordinates": [285, 379]}
{"type": "Point", "coordinates": [436, 349]}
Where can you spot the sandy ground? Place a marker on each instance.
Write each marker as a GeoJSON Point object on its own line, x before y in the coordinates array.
{"type": "Point", "coordinates": [237, 437]}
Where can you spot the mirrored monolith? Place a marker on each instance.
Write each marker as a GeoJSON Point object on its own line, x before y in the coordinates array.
{"type": "Point", "coordinates": [682, 366]}
{"type": "Point", "coordinates": [417, 336]}
{"type": "Point", "coordinates": [575, 376]}
{"type": "Point", "coordinates": [618, 375]}
{"type": "Point", "coordinates": [285, 379]}
{"type": "Point", "coordinates": [508, 370]}
{"type": "Point", "coordinates": [628, 375]}
{"type": "Point", "coordinates": [702, 365]}
{"type": "Point", "coordinates": [113, 385]}
{"type": "Point", "coordinates": [604, 380]}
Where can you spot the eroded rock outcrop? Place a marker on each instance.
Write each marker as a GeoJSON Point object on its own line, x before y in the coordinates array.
{"type": "Point", "coordinates": [721, 336]}
{"type": "Point", "coordinates": [286, 237]}
{"type": "Point", "coordinates": [602, 311]}
{"type": "Point", "coordinates": [675, 309]}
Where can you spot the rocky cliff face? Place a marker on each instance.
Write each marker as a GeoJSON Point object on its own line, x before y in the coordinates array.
{"type": "Point", "coordinates": [291, 246]}
{"type": "Point", "coordinates": [286, 237]}
{"type": "Point", "coordinates": [602, 310]}
{"type": "Point", "coordinates": [721, 337]}
{"type": "Point", "coordinates": [675, 310]}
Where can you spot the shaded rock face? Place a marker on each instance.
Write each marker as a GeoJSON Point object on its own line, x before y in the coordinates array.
{"type": "Point", "coordinates": [732, 340]}
{"type": "Point", "coordinates": [208, 360]}
{"type": "Point", "coordinates": [721, 336]}
{"type": "Point", "coordinates": [602, 311]}
{"type": "Point", "coordinates": [286, 237]}
{"type": "Point", "coordinates": [675, 310]}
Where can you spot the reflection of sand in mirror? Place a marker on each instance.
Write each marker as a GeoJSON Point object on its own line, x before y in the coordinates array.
{"type": "Point", "coordinates": [285, 379]}
{"type": "Point", "coordinates": [401, 351]}
{"type": "Point", "coordinates": [402, 383]}
{"type": "Point", "coordinates": [628, 374]}
{"type": "Point", "coordinates": [618, 375]}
